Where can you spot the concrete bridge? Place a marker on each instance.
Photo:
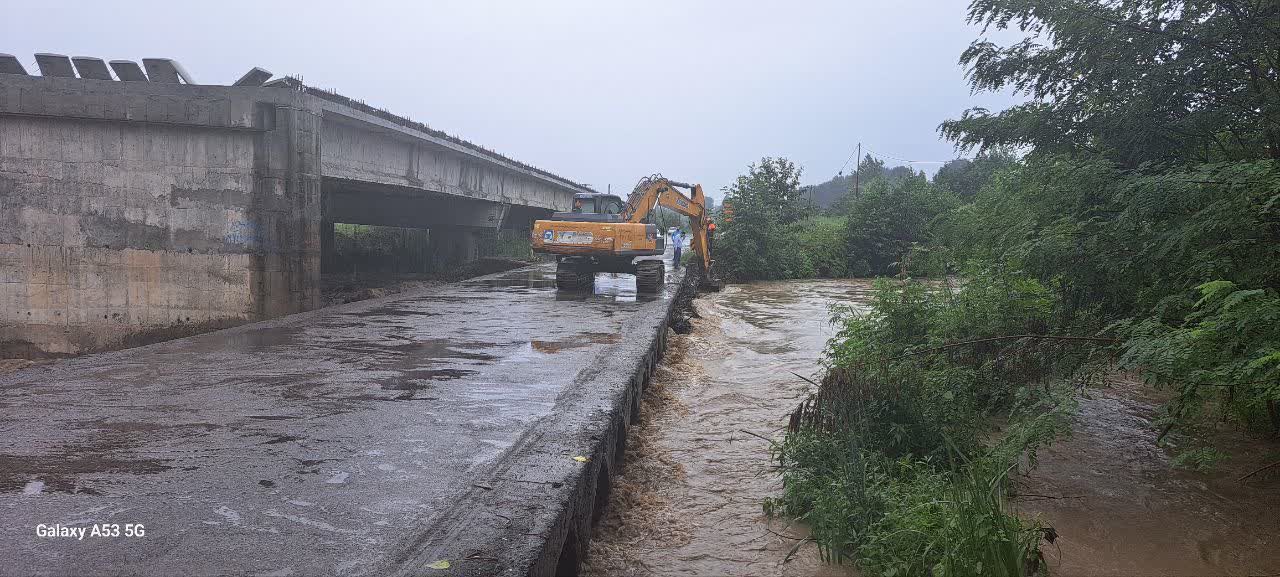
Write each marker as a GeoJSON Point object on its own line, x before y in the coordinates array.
{"type": "Point", "coordinates": [133, 210]}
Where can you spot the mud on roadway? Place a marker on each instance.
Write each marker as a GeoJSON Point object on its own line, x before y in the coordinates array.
{"type": "Point", "coordinates": [688, 500]}
{"type": "Point", "coordinates": [466, 425]}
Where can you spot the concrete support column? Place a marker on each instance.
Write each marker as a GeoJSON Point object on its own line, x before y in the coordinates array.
{"type": "Point", "coordinates": [470, 249]}
{"type": "Point", "coordinates": [285, 212]}
{"type": "Point", "coordinates": [452, 246]}
{"type": "Point", "coordinates": [327, 259]}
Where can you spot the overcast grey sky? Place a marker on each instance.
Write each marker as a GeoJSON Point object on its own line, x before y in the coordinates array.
{"type": "Point", "coordinates": [599, 92]}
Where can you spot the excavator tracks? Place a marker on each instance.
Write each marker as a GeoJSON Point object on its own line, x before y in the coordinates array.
{"type": "Point", "coordinates": [650, 276]}
{"type": "Point", "coordinates": [573, 277]}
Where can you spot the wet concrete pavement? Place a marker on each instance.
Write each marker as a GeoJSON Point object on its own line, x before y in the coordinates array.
{"type": "Point", "coordinates": [337, 441]}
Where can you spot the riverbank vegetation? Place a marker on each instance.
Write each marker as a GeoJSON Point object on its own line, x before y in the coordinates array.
{"type": "Point", "coordinates": [1138, 227]}
{"type": "Point", "coordinates": [896, 462]}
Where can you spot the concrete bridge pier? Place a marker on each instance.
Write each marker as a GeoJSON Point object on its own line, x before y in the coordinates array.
{"type": "Point", "coordinates": [453, 246]}
{"type": "Point", "coordinates": [284, 212]}
{"type": "Point", "coordinates": [326, 245]}
{"type": "Point", "coordinates": [133, 212]}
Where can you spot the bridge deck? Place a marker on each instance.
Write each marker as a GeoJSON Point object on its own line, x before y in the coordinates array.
{"type": "Point", "coordinates": [353, 439]}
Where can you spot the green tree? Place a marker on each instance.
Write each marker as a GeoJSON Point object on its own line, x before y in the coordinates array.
{"type": "Point", "coordinates": [1149, 180]}
{"type": "Point", "coordinates": [753, 243]}
{"type": "Point", "coordinates": [830, 193]}
{"type": "Point", "coordinates": [965, 177]}
{"type": "Point", "coordinates": [869, 168]}
{"type": "Point", "coordinates": [1132, 80]}
{"type": "Point", "coordinates": [889, 218]}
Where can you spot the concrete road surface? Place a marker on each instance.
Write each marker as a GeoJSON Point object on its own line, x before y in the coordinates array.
{"type": "Point", "coordinates": [367, 438]}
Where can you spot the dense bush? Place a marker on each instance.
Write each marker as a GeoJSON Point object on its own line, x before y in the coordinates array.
{"type": "Point", "coordinates": [820, 239]}
{"type": "Point", "coordinates": [894, 464]}
{"type": "Point", "coordinates": [773, 235]}
{"type": "Point", "coordinates": [888, 218]}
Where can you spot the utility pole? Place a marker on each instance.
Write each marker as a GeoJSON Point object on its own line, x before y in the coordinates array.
{"type": "Point", "coordinates": [857, 174]}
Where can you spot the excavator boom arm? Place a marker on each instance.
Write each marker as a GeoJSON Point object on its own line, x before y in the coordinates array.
{"type": "Point", "coordinates": [663, 192]}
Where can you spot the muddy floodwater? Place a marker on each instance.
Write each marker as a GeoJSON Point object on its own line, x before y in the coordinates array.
{"type": "Point", "coordinates": [1121, 507]}
{"type": "Point", "coordinates": [688, 501]}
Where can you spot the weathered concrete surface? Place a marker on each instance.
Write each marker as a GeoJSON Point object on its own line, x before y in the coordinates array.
{"type": "Point", "coordinates": [128, 208]}
{"type": "Point", "coordinates": [371, 438]}
{"type": "Point", "coordinates": [364, 151]}
{"type": "Point", "coordinates": [131, 211]}
{"type": "Point", "coordinates": [366, 144]}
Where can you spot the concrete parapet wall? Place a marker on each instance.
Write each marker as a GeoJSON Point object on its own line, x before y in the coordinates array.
{"type": "Point", "coordinates": [210, 106]}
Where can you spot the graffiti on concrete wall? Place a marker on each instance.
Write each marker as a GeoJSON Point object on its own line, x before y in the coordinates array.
{"type": "Point", "coordinates": [244, 232]}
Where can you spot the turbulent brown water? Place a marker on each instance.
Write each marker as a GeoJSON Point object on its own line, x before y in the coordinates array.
{"type": "Point", "coordinates": [688, 501]}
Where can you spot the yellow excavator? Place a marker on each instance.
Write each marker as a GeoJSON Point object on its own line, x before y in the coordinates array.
{"type": "Point", "coordinates": [605, 234]}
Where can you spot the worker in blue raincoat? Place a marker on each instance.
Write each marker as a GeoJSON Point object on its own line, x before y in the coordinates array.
{"type": "Point", "coordinates": [677, 239]}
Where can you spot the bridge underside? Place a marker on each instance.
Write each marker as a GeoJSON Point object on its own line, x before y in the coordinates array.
{"type": "Point", "coordinates": [455, 224]}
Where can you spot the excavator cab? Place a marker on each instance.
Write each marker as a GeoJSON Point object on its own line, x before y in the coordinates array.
{"type": "Point", "coordinates": [596, 207]}
{"type": "Point", "coordinates": [598, 204]}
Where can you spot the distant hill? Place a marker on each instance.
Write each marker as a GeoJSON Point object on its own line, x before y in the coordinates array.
{"type": "Point", "coordinates": [827, 194]}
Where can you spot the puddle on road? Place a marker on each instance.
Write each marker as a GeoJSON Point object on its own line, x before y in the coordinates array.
{"type": "Point", "coordinates": [392, 310]}
{"type": "Point", "coordinates": [688, 499]}
{"type": "Point", "coordinates": [608, 287]}
{"type": "Point", "coordinates": [72, 469]}
{"type": "Point", "coordinates": [258, 338]}
{"type": "Point", "coordinates": [518, 281]}
{"type": "Point", "coordinates": [578, 341]}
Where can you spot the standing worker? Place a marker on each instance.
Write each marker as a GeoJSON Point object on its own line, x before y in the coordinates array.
{"type": "Point", "coordinates": [677, 238]}
{"type": "Point", "coordinates": [711, 236]}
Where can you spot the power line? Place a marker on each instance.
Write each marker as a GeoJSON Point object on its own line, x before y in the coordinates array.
{"type": "Point", "coordinates": [888, 157]}
{"type": "Point", "coordinates": [851, 153]}
{"type": "Point", "coordinates": [858, 152]}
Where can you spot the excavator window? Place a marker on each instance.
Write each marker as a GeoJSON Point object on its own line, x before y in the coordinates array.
{"type": "Point", "coordinates": [598, 205]}
{"type": "Point", "coordinates": [612, 206]}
